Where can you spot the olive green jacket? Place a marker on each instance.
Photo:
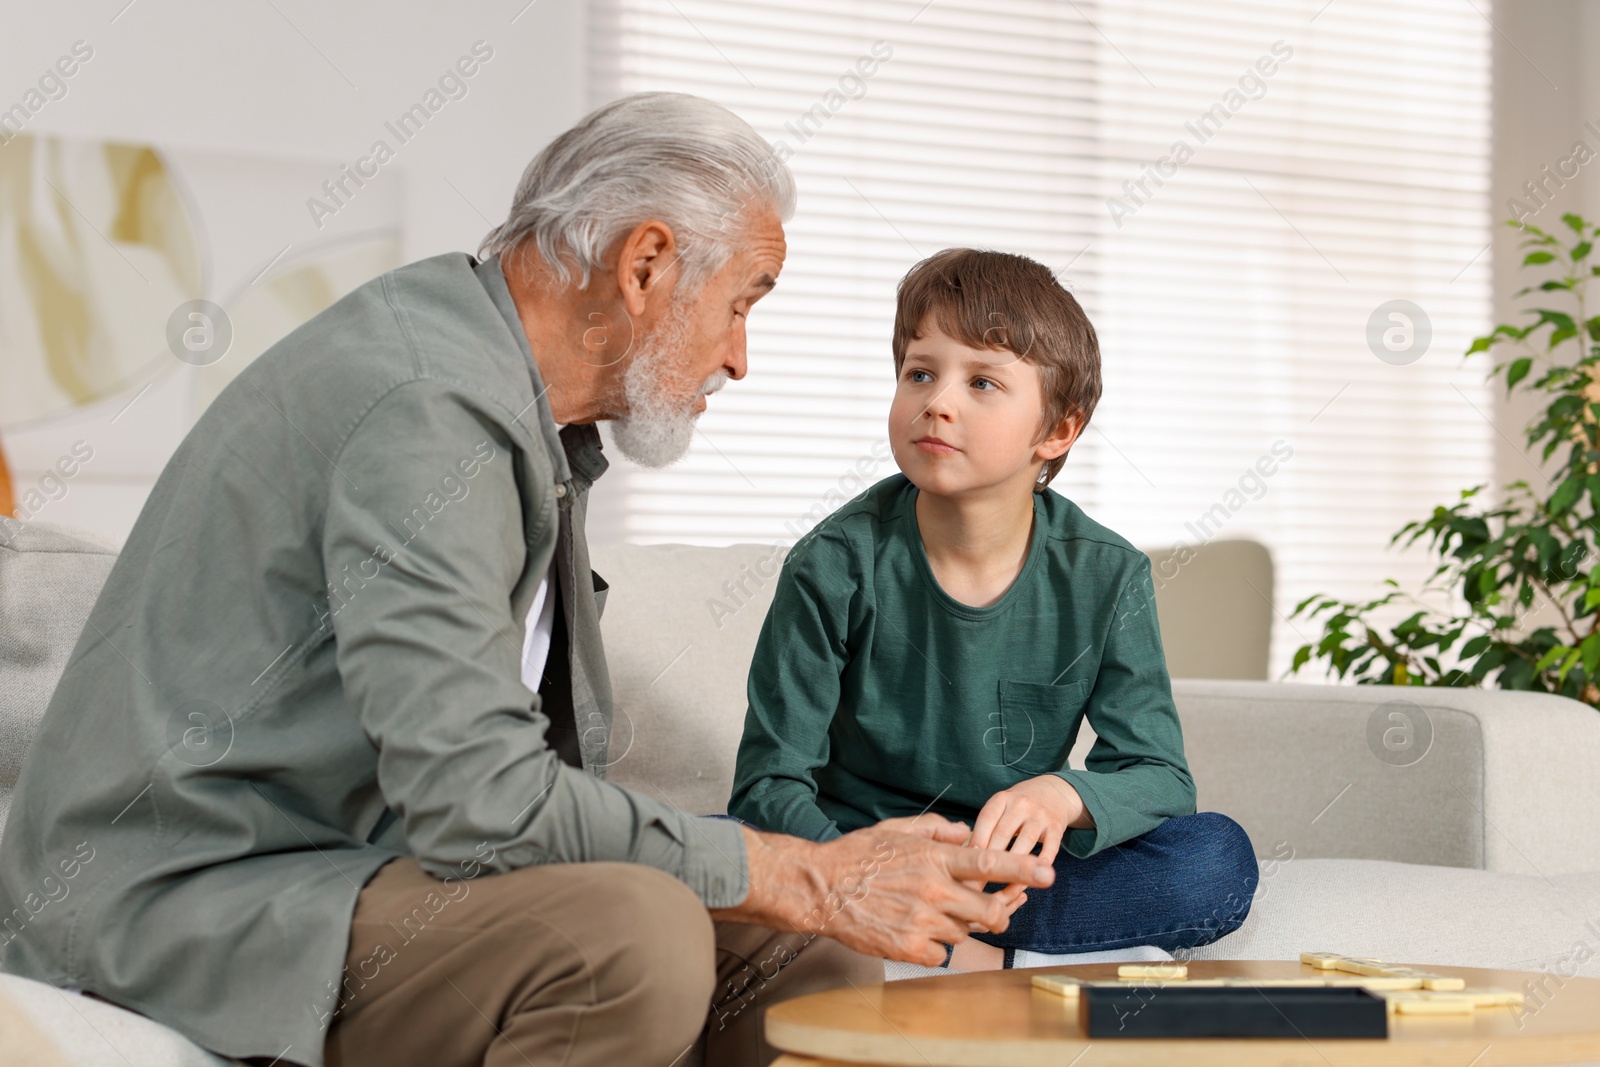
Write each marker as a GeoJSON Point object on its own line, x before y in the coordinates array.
{"type": "Point", "coordinates": [306, 661]}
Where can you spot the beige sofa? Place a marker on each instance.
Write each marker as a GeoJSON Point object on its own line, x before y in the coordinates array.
{"type": "Point", "coordinates": [1485, 851]}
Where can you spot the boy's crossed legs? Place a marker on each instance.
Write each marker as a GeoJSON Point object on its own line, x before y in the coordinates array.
{"type": "Point", "coordinates": [1186, 883]}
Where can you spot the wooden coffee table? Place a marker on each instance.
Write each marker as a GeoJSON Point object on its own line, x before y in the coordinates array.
{"type": "Point", "coordinates": [997, 1019]}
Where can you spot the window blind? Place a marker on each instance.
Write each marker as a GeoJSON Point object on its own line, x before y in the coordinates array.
{"type": "Point", "coordinates": [1243, 195]}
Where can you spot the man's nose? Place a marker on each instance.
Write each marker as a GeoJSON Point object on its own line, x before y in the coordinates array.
{"type": "Point", "coordinates": [737, 362]}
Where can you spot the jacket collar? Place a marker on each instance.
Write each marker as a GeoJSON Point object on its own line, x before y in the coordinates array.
{"type": "Point", "coordinates": [575, 451]}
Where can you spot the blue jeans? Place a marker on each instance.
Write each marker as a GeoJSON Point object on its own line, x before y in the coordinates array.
{"type": "Point", "coordinates": [1186, 883]}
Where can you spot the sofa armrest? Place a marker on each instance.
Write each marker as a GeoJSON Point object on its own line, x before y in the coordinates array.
{"type": "Point", "coordinates": [1494, 779]}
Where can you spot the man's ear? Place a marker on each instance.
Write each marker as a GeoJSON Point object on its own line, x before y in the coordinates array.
{"type": "Point", "coordinates": [1066, 432]}
{"type": "Point", "coordinates": [646, 262]}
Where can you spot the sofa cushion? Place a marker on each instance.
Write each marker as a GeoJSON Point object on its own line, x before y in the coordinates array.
{"type": "Point", "coordinates": [20, 1040]}
{"type": "Point", "coordinates": [49, 579]}
{"type": "Point", "coordinates": [86, 1032]}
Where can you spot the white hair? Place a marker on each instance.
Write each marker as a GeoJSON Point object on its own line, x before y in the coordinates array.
{"type": "Point", "coordinates": [682, 159]}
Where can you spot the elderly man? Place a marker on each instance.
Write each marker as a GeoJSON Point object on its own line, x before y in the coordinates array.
{"type": "Point", "coordinates": [328, 760]}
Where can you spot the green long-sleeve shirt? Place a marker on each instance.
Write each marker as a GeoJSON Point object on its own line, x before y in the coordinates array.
{"type": "Point", "coordinates": [874, 693]}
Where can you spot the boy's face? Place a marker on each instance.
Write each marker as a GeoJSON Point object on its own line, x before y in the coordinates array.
{"type": "Point", "coordinates": [968, 419]}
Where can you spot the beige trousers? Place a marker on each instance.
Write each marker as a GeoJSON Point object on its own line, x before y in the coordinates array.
{"type": "Point", "coordinates": [566, 965]}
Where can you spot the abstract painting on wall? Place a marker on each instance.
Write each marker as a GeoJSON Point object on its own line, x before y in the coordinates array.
{"type": "Point", "coordinates": [102, 245]}
{"type": "Point", "coordinates": [96, 248]}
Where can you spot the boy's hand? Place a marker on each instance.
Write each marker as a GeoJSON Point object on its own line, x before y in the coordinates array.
{"type": "Point", "coordinates": [1011, 897]}
{"type": "Point", "coordinates": [1036, 811]}
{"type": "Point", "coordinates": [937, 827]}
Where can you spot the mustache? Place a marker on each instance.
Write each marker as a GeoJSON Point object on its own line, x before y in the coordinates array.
{"type": "Point", "coordinates": [713, 383]}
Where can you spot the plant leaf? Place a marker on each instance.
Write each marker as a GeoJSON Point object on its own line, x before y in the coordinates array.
{"type": "Point", "coordinates": [1559, 319]}
{"type": "Point", "coordinates": [1548, 658]}
{"type": "Point", "coordinates": [1562, 499]}
{"type": "Point", "coordinates": [1519, 370]}
{"type": "Point", "coordinates": [1591, 654]}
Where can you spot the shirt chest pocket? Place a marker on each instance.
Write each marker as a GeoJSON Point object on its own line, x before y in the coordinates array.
{"type": "Point", "coordinates": [1038, 723]}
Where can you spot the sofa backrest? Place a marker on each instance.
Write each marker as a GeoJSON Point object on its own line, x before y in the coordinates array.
{"type": "Point", "coordinates": [1214, 603]}
{"type": "Point", "coordinates": [49, 578]}
{"type": "Point", "coordinates": [680, 627]}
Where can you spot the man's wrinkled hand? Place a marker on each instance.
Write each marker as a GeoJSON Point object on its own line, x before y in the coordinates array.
{"type": "Point", "coordinates": [929, 825]}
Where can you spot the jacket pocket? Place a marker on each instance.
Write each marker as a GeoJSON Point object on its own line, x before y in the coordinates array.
{"type": "Point", "coordinates": [1038, 723]}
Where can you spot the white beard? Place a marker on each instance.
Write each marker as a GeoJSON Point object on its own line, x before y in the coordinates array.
{"type": "Point", "coordinates": [659, 425]}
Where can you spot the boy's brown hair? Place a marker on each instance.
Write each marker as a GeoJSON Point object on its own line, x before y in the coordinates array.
{"type": "Point", "coordinates": [997, 300]}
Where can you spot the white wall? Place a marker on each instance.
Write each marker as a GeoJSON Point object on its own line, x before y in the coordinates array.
{"type": "Point", "coordinates": [300, 87]}
{"type": "Point", "coordinates": [1546, 87]}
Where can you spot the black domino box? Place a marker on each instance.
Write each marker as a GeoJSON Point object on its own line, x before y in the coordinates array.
{"type": "Point", "coordinates": [1170, 1010]}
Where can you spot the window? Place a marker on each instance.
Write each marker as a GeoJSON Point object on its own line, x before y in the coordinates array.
{"type": "Point", "coordinates": [1237, 192]}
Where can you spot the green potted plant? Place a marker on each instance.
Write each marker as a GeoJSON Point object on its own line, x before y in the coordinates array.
{"type": "Point", "coordinates": [1540, 544]}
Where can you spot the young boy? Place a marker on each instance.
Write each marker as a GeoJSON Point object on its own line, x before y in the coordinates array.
{"type": "Point", "coordinates": [934, 644]}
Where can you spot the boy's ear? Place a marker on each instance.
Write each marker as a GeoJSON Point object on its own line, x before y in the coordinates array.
{"type": "Point", "coordinates": [1066, 432]}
